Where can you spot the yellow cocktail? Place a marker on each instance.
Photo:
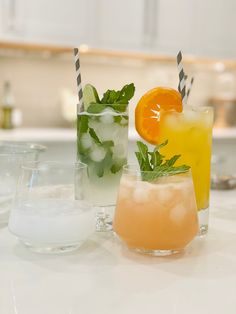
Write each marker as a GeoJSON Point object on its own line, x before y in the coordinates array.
{"type": "Point", "coordinates": [189, 133]}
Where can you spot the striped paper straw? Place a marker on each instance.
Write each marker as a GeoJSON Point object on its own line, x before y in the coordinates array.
{"type": "Point", "coordinates": [190, 87]}
{"type": "Point", "coordinates": [80, 106]}
{"type": "Point", "coordinates": [185, 76]}
{"type": "Point", "coordinates": [182, 80]}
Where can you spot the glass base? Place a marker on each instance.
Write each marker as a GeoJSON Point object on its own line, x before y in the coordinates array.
{"type": "Point", "coordinates": [156, 252]}
{"type": "Point", "coordinates": [51, 249]}
{"type": "Point", "coordinates": [203, 217]}
{"type": "Point", "coordinates": [104, 218]}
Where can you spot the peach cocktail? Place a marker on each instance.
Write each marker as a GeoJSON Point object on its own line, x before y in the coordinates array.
{"type": "Point", "coordinates": [156, 210]}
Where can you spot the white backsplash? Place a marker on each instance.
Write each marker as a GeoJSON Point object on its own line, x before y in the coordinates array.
{"type": "Point", "coordinates": [40, 82]}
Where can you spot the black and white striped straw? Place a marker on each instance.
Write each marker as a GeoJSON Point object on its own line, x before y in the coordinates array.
{"type": "Point", "coordinates": [80, 106]}
{"type": "Point", "coordinates": [190, 87]}
{"type": "Point", "coordinates": [182, 79]}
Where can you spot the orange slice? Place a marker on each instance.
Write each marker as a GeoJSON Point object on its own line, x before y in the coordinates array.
{"type": "Point", "coordinates": [149, 109]}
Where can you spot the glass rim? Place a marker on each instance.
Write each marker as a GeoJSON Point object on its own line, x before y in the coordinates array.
{"type": "Point", "coordinates": [134, 169]}
{"type": "Point", "coordinates": [34, 165]}
{"type": "Point", "coordinates": [24, 148]}
{"type": "Point", "coordinates": [113, 113]}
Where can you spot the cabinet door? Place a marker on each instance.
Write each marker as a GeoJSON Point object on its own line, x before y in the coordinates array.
{"type": "Point", "coordinates": [119, 23]}
{"type": "Point", "coordinates": [175, 23]}
{"type": "Point", "coordinates": [56, 22]}
{"type": "Point", "coordinates": [215, 25]}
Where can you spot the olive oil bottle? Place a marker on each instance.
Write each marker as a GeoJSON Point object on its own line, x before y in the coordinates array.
{"type": "Point", "coordinates": [7, 106]}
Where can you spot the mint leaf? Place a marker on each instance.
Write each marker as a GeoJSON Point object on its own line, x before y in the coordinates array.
{"type": "Point", "coordinates": [158, 147]}
{"type": "Point", "coordinates": [94, 136]}
{"type": "Point", "coordinates": [99, 170]}
{"type": "Point", "coordinates": [154, 165]}
{"type": "Point", "coordinates": [107, 144]}
{"type": "Point", "coordinates": [126, 93]}
{"type": "Point", "coordinates": [96, 108]}
{"type": "Point", "coordinates": [117, 119]}
{"type": "Point", "coordinates": [172, 161]}
{"type": "Point", "coordinates": [143, 149]}
{"type": "Point", "coordinates": [143, 157]}
{"type": "Point", "coordinates": [156, 158]}
{"type": "Point", "coordinates": [122, 96]}
{"type": "Point", "coordinates": [119, 107]}
{"type": "Point", "coordinates": [82, 124]}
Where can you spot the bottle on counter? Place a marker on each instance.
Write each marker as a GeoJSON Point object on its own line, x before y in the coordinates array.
{"type": "Point", "coordinates": [7, 106]}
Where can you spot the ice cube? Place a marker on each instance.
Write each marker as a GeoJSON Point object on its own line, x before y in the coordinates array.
{"type": "Point", "coordinates": [94, 124]}
{"type": "Point", "coordinates": [86, 141]}
{"type": "Point", "coordinates": [192, 116]}
{"type": "Point", "coordinates": [177, 213]}
{"type": "Point", "coordinates": [172, 120]}
{"type": "Point", "coordinates": [164, 194]}
{"type": "Point", "coordinates": [141, 192]}
{"type": "Point", "coordinates": [97, 153]}
{"type": "Point", "coordinates": [106, 132]}
{"type": "Point", "coordinates": [107, 116]}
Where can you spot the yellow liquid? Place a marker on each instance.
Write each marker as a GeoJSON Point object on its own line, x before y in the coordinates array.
{"type": "Point", "coordinates": [190, 134]}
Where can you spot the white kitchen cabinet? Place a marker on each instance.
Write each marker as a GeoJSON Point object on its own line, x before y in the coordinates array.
{"type": "Point", "coordinates": [120, 24]}
{"type": "Point", "coordinates": [60, 22]}
{"type": "Point", "coordinates": [175, 22]}
{"type": "Point", "coordinates": [203, 27]}
{"type": "Point", "coordinates": [99, 23]}
{"type": "Point", "coordinates": [215, 26]}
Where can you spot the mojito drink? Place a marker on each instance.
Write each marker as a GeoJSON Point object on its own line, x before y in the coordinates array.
{"type": "Point", "coordinates": [102, 145]}
{"type": "Point", "coordinates": [102, 138]}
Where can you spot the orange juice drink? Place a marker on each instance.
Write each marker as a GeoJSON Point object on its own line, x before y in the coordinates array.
{"type": "Point", "coordinates": [190, 134]}
{"type": "Point", "coordinates": [158, 217]}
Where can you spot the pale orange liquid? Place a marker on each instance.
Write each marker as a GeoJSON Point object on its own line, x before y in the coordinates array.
{"type": "Point", "coordinates": [156, 216]}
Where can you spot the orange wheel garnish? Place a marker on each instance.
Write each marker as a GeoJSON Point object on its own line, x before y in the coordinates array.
{"type": "Point", "coordinates": [149, 108]}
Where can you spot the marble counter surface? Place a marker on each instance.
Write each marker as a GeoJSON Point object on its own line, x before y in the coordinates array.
{"type": "Point", "coordinates": [69, 135]}
{"type": "Point", "coordinates": [104, 277]}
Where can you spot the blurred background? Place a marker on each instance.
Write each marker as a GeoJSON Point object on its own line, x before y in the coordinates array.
{"type": "Point", "coordinates": [120, 42]}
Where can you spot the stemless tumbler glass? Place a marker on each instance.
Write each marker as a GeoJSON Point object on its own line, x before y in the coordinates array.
{"type": "Point", "coordinates": [12, 156]}
{"type": "Point", "coordinates": [157, 217]}
{"type": "Point", "coordinates": [102, 144]}
{"type": "Point", "coordinates": [48, 214]}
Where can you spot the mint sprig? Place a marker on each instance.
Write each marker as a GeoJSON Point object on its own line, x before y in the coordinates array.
{"type": "Point", "coordinates": [117, 100]}
{"type": "Point", "coordinates": [154, 165]}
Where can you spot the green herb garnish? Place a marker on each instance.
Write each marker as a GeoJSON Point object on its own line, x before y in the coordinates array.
{"type": "Point", "coordinates": [94, 105]}
{"type": "Point", "coordinates": [154, 165]}
{"type": "Point", "coordinates": [117, 100]}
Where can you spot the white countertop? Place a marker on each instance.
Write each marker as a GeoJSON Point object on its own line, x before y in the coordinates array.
{"type": "Point", "coordinates": [104, 277]}
{"type": "Point", "coordinates": [69, 135]}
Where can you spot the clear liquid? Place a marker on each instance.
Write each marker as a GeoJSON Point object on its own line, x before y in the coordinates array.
{"type": "Point", "coordinates": [105, 155]}
{"type": "Point", "coordinates": [43, 221]}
